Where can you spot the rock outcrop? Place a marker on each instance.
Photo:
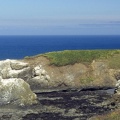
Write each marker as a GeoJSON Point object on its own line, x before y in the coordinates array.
{"type": "Point", "coordinates": [117, 90]}
{"type": "Point", "coordinates": [116, 74]}
{"type": "Point", "coordinates": [16, 91]}
{"type": "Point", "coordinates": [78, 75]}
{"type": "Point", "coordinates": [41, 76]}
{"type": "Point", "coordinates": [12, 68]}
{"type": "Point", "coordinates": [102, 74]}
{"type": "Point", "coordinates": [13, 89]}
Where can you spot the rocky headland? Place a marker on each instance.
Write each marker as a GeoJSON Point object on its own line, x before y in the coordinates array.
{"type": "Point", "coordinates": [33, 88]}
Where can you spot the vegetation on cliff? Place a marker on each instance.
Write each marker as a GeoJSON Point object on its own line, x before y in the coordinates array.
{"type": "Point", "coordinates": [67, 57]}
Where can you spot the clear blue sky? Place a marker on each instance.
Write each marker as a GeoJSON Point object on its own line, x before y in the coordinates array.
{"type": "Point", "coordinates": [59, 17]}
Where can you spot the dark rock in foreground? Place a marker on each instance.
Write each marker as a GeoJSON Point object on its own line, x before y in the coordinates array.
{"type": "Point", "coordinates": [77, 105]}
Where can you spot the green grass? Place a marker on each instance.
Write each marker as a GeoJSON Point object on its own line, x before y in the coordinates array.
{"type": "Point", "coordinates": [68, 57]}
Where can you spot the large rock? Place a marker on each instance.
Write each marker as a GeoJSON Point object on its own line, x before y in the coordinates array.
{"type": "Point", "coordinates": [118, 87]}
{"type": "Point", "coordinates": [35, 76]}
{"type": "Point", "coordinates": [13, 88]}
{"type": "Point", "coordinates": [16, 65]}
{"type": "Point", "coordinates": [40, 78]}
{"type": "Point", "coordinates": [16, 91]}
{"type": "Point", "coordinates": [13, 69]}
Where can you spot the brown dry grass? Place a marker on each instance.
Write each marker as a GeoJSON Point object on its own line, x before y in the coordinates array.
{"type": "Point", "coordinates": [114, 115]}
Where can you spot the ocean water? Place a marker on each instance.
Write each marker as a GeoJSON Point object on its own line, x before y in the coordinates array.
{"type": "Point", "coordinates": [17, 47]}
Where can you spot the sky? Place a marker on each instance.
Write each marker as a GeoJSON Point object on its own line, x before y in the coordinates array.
{"type": "Point", "coordinates": [59, 17]}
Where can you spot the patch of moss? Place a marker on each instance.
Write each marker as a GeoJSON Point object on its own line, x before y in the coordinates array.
{"type": "Point", "coordinates": [86, 80]}
{"type": "Point", "coordinates": [68, 57]}
{"type": "Point", "coordinates": [26, 57]}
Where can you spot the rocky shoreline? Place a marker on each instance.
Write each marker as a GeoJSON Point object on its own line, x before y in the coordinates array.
{"type": "Point", "coordinates": [62, 105]}
{"type": "Point", "coordinates": [32, 89]}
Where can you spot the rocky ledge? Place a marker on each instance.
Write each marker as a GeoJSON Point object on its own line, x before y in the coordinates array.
{"type": "Point", "coordinates": [36, 83]}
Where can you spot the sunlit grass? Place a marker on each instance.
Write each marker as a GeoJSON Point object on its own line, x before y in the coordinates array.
{"type": "Point", "coordinates": [68, 57]}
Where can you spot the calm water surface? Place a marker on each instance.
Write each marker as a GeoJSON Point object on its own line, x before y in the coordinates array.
{"type": "Point", "coordinates": [17, 47]}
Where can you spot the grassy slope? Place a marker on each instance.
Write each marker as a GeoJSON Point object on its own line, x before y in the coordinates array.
{"type": "Point", "coordinates": [67, 57]}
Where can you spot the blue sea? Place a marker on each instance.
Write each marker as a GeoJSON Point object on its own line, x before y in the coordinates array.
{"type": "Point", "coordinates": [17, 47]}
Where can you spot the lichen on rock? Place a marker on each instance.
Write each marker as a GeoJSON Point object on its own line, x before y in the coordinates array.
{"type": "Point", "coordinates": [12, 68]}
{"type": "Point", "coordinates": [16, 91]}
{"type": "Point", "coordinates": [39, 77]}
{"type": "Point", "coordinates": [13, 88]}
{"type": "Point", "coordinates": [118, 87]}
